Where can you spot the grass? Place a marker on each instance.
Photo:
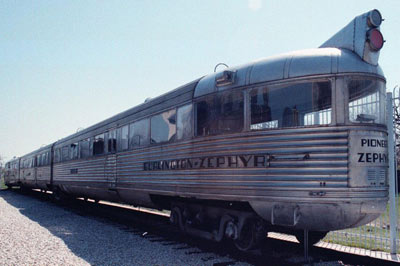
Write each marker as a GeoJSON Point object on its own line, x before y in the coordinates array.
{"type": "Point", "coordinates": [373, 236]}
{"type": "Point", "coordinates": [2, 186]}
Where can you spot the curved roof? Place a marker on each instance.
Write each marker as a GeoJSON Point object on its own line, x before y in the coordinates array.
{"type": "Point", "coordinates": [319, 61]}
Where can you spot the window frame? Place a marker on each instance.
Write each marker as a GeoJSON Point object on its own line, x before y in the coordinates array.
{"type": "Point", "coordinates": [95, 141]}
{"type": "Point", "coordinates": [148, 142]}
{"type": "Point", "coordinates": [192, 116]}
{"type": "Point", "coordinates": [119, 138]}
{"type": "Point", "coordinates": [243, 90]}
{"type": "Point", "coordinates": [330, 79]}
{"type": "Point", "coordinates": [151, 128]}
{"type": "Point", "coordinates": [346, 94]}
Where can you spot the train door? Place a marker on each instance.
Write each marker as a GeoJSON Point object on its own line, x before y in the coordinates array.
{"type": "Point", "coordinates": [110, 165]}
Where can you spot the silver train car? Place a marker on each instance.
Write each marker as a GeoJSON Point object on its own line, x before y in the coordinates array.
{"type": "Point", "coordinates": [291, 142]}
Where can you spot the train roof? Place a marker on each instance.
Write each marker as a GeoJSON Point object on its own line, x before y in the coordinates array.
{"type": "Point", "coordinates": [303, 63]}
{"type": "Point", "coordinates": [41, 149]}
{"type": "Point", "coordinates": [168, 100]}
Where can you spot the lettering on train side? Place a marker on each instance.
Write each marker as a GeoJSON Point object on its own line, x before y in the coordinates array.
{"type": "Point", "coordinates": [211, 162]}
{"type": "Point", "coordinates": [374, 143]}
{"type": "Point", "coordinates": [372, 157]}
{"type": "Point", "coordinates": [372, 151]}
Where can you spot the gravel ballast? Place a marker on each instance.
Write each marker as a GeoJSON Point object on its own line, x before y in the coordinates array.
{"type": "Point", "coordinates": [35, 232]}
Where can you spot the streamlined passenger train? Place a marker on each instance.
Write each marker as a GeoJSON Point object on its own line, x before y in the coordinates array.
{"type": "Point", "coordinates": [291, 142]}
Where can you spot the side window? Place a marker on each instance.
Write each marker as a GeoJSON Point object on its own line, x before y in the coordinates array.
{"type": "Point", "coordinates": [74, 148]}
{"type": "Point", "coordinates": [184, 128]}
{"type": "Point", "coordinates": [139, 133]}
{"type": "Point", "coordinates": [163, 127]}
{"type": "Point", "coordinates": [39, 160]}
{"type": "Point", "coordinates": [112, 141]}
{"type": "Point", "coordinates": [123, 138]}
{"type": "Point", "coordinates": [98, 144]}
{"type": "Point", "coordinates": [293, 105]}
{"type": "Point", "coordinates": [65, 153]}
{"type": "Point", "coordinates": [221, 113]}
{"type": "Point", "coordinates": [84, 149]}
{"type": "Point", "coordinates": [57, 155]}
{"type": "Point", "coordinates": [367, 100]}
{"type": "Point", "coordinates": [43, 160]}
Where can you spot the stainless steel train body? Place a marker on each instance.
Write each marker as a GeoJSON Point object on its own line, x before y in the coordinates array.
{"type": "Point", "coordinates": [299, 138]}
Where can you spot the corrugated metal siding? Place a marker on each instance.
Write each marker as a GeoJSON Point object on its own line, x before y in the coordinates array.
{"type": "Point", "coordinates": [90, 173]}
{"type": "Point", "coordinates": [43, 174]}
{"type": "Point", "coordinates": [327, 162]}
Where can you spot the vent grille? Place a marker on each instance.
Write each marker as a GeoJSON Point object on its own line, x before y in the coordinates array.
{"type": "Point", "coordinates": [377, 177]}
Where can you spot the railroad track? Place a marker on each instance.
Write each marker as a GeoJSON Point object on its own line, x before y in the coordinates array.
{"type": "Point", "coordinates": [154, 226]}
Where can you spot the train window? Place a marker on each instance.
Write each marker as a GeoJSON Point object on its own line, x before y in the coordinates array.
{"type": "Point", "coordinates": [64, 153]}
{"type": "Point", "coordinates": [98, 144]}
{"type": "Point", "coordinates": [84, 148]}
{"type": "Point", "coordinates": [163, 127]}
{"type": "Point", "coordinates": [43, 159]}
{"type": "Point", "coordinates": [301, 104]}
{"type": "Point", "coordinates": [367, 101]}
{"type": "Point", "coordinates": [123, 138]}
{"type": "Point", "coordinates": [30, 163]}
{"type": "Point", "coordinates": [139, 133]}
{"type": "Point", "coordinates": [221, 113]}
{"type": "Point", "coordinates": [57, 155]}
{"type": "Point", "coordinates": [74, 151]}
{"type": "Point", "coordinates": [112, 141]}
{"type": "Point", "coordinates": [39, 160]}
{"type": "Point", "coordinates": [184, 128]}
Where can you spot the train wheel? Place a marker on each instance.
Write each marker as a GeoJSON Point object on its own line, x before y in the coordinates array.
{"type": "Point", "coordinates": [250, 236]}
{"type": "Point", "coordinates": [313, 237]}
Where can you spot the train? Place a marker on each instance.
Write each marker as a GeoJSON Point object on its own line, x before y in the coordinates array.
{"type": "Point", "coordinates": [288, 143]}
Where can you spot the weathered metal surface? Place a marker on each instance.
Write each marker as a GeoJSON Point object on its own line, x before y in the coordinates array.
{"type": "Point", "coordinates": [310, 62]}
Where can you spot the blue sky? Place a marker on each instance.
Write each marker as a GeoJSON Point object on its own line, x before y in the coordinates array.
{"type": "Point", "coordinates": [66, 65]}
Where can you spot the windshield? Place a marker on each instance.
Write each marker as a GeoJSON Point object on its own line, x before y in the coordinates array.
{"type": "Point", "coordinates": [366, 101]}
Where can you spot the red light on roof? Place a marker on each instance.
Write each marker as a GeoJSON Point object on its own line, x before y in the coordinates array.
{"type": "Point", "coordinates": [375, 39]}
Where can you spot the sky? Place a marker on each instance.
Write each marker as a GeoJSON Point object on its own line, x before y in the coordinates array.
{"type": "Point", "coordinates": [66, 65]}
